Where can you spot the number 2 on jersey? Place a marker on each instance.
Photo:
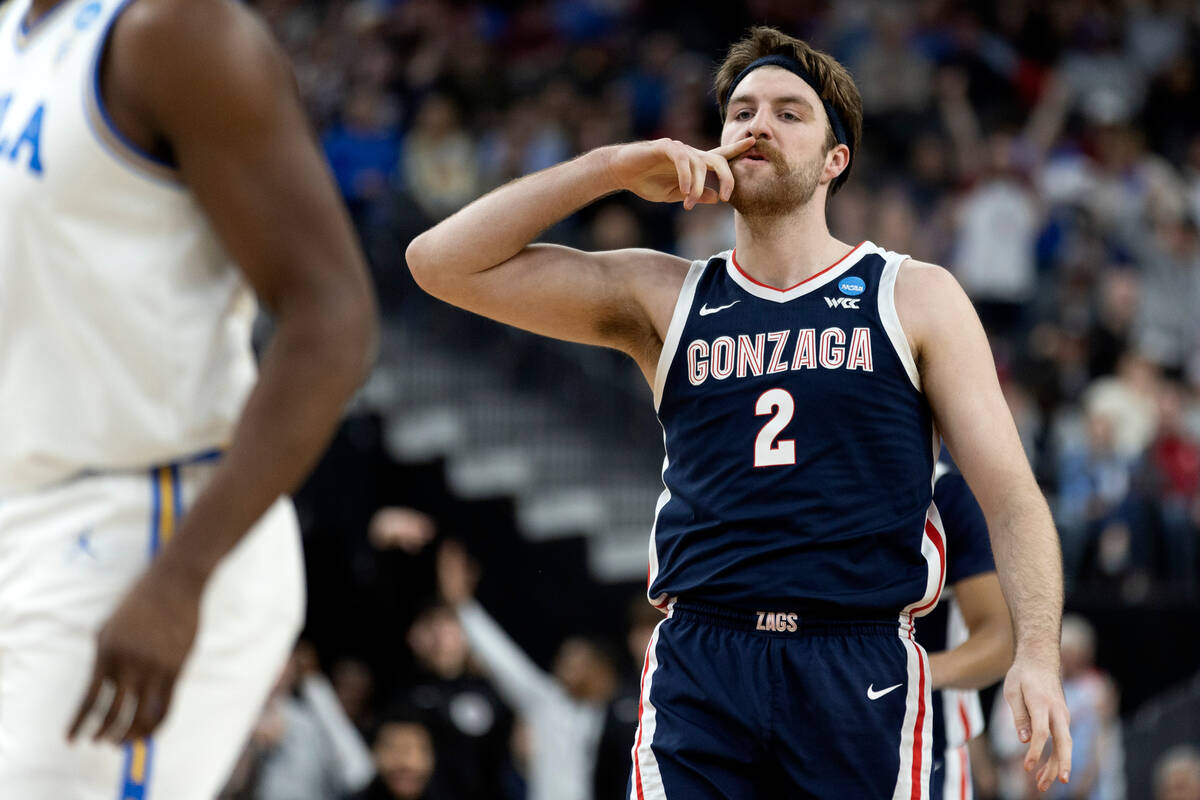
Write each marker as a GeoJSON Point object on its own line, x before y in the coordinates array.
{"type": "Point", "coordinates": [767, 451]}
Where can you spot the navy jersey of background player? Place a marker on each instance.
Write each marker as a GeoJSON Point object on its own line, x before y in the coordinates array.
{"type": "Point", "coordinates": [956, 714]}
{"type": "Point", "coordinates": [799, 449]}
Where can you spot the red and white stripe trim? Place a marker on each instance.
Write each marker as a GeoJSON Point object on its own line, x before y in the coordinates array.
{"type": "Point", "coordinates": [957, 780]}
{"type": "Point", "coordinates": [647, 779]}
{"type": "Point", "coordinates": [933, 549]}
{"type": "Point", "coordinates": [916, 737]}
{"type": "Point", "coordinates": [912, 783]}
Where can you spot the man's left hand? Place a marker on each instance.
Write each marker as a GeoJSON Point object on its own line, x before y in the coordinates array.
{"type": "Point", "coordinates": [139, 654]}
{"type": "Point", "coordinates": [1034, 693]}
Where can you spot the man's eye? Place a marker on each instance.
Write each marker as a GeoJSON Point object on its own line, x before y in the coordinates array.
{"type": "Point", "coordinates": [743, 114]}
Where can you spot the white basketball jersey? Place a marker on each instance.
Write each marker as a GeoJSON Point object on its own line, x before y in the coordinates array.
{"type": "Point", "coordinates": [124, 327]}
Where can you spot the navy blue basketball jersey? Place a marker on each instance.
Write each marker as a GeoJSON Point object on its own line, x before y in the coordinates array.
{"type": "Point", "coordinates": [957, 714]}
{"type": "Point", "coordinates": [799, 447]}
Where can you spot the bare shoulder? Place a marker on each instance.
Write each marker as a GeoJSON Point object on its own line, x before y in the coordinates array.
{"type": "Point", "coordinates": [172, 57]}
{"type": "Point", "coordinates": [927, 294]}
{"type": "Point", "coordinates": [917, 275]}
{"type": "Point", "coordinates": [931, 305]}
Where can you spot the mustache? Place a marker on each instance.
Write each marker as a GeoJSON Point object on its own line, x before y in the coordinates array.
{"type": "Point", "coordinates": [765, 149]}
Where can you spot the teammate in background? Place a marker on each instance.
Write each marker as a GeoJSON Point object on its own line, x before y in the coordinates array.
{"type": "Point", "coordinates": [156, 171]}
{"type": "Point", "coordinates": [796, 539]}
{"type": "Point", "coordinates": [968, 635]}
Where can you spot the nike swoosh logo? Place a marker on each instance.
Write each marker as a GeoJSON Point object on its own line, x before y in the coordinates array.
{"type": "Point", "coordinates": [705, 310]}
{"type": "Point", "coordinates": [874, 695]}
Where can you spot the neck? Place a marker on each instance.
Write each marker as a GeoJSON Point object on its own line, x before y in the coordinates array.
{"type": "Point", "coordinates": [784, 250]}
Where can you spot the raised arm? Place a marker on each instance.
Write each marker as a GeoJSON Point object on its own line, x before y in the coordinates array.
{"type": "Point", "coordinates": [959, 379]}
{"type": "Point", "coordinates": [520, 681]}
{"type": "Point", "coordinates": [206, 78]}
{"type": "Point", "coordinates": [481, 258]}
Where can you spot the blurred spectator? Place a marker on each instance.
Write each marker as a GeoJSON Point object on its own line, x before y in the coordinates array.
{"type": "Point", "coordinates": [404, 760]}
{"type": "Point", "coordinates": [472, 722]}
{"type": "Point", "coordinates": [994, 257]}
{"type": "Point", "coordinates": [439, 159]}
{"type": "Point", "coordinates": [363, 148]}
{"type": "Point", "coordinates": [1094, 483]}
{"type": "Point", "coordinates": [1168, 327]}
{"type": "Point", "coordinates": [1129, 400]}
{"type": "Point", "coordinates": [354, 686]}
{"type": "Point", "coordinates": [1175, 457]}
{"type": "Point", "coordinates": [614, 227]}
{"type": "Point", "coordinates": [1097, 761]}
{"type": "Point", "coordinates": [705, 231]}
{"type": "Point", "coordinates": [564, 711]}
{"type": "Point", "coordinates": [892, 76]}
{"type": "Point", "coordinates": [1177, 774]}
{"type": "Point", "coordinates": [303, 747]}
{"type": "Point", "coordinates": [1109, 334]}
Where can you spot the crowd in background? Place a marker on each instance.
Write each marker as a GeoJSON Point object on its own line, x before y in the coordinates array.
{"type": "Point", "coordinates": [1047, 153]}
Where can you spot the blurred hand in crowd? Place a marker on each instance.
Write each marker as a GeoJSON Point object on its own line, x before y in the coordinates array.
{"type": "Point", "coordinates": [400, 529]}
{"type": "Point", "coordinates": [458, 575]}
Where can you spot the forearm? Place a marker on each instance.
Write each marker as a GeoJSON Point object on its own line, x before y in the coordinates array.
{"type": "Point", "coordinates": [978, 662]}
{"type": "Point", "coordinates": [1029, 564]}
{"type": "Point", "coordinates": [498, 225]}
{"type": "Point", "coordinates": [352, 757]}
{"type": "Point", "coordinates": [316, 359]}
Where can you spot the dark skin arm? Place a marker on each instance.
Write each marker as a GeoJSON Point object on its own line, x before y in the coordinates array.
{"type": "Point", "coordinates": [205, 78]}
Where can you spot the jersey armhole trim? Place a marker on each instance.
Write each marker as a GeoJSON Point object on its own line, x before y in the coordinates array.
{"type": "Point", "coordinates": [26, 34]}
{"type": "Point", "coordinates": [891, 319]}
{"type": "Point", "coordinates": [683, 307]}
{"type": "Point", "coordinates": [112, 140]}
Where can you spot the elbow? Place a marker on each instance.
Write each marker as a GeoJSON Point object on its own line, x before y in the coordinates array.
{"type": "Point", "coordinates": [421, 262]}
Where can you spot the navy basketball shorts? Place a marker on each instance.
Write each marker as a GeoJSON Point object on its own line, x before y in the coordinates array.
{"type": "Point", "coordinates": [741, 705]}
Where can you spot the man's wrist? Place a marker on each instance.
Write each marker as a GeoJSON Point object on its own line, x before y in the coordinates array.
{"type": "Point", "coordinates": [599, 162]}
{"type": "Point", "coordinates": [183, 572]}
{"type": "Point", "coordinates": [1040, 653]}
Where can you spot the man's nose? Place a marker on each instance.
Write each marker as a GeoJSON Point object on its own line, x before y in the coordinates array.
{"type": "Point", "coordinates": [759, 126]}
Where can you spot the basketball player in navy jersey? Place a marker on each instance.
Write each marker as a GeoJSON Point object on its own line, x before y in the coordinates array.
{"type": "Point", "coordinates": [798, 380]}
{"type": "Point", "coordinates": [968, 636]}
{"type": "Point", "coordinates": [156, 173]}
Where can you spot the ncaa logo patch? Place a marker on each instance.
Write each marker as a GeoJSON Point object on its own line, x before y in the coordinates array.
{"type": "Point", "coordinates": [852, 286]}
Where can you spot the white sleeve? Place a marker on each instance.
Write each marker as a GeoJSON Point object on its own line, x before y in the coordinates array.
{"type": "Point", "coordinates": [520, 682]}
{"type": "Point", "coordinates": [351, 759]}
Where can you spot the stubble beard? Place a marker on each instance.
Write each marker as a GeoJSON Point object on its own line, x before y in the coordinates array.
{"type": "Point", "coordinates": [779, 195]}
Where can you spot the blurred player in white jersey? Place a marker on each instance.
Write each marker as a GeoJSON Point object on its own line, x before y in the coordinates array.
{"type": "Point", "coordinates": [156, 171]}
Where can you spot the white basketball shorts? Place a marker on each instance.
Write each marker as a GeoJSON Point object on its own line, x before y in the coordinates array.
{"type": "Point", "coordinates": [68, 553]}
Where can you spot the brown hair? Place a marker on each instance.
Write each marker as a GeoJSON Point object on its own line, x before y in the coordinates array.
{"type": "Point", "coordinates": [833, 82]}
